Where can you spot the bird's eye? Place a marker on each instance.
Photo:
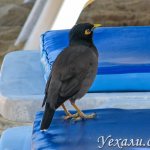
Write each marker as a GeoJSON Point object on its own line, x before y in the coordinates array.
{"type": "Point", "coordinates": [87, 32]}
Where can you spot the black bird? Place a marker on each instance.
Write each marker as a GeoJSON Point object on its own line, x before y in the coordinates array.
{"type": "Point", "coordinates": [72, 74]}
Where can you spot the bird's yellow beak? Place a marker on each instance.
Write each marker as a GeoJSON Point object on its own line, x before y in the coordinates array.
{"type": "Point", "coordinates": [97, 25]}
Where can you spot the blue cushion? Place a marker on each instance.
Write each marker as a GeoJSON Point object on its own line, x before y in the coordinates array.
{"type": "Point", "coordinates": [17, 138]}
{"type": "Point", "coordinates": [124, 57]}
{"type": "Point", "coordinates": [66, 135]}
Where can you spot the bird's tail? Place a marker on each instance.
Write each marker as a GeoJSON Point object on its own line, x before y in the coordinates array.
{"type": "Point", "coordinates": [47, 117]}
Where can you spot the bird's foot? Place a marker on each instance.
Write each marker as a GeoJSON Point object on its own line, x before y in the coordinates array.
{"type": "Point", "coordinates": [90, 116]}
{"type": "Point", "coordinates": [84, 116]}
{"type": "Point", "coordinates": [71, 116]}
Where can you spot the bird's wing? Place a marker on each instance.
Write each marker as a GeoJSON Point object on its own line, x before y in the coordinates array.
{"type": "Point", "coordinates": [75, 71]}
{"type": "Point", "coordinates": [72, 85]}
{"type": "Point", "coordinates": [69, 70]}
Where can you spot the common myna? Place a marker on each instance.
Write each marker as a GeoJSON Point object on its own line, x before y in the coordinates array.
{"type": "Point", "coordinates": [72, 74]}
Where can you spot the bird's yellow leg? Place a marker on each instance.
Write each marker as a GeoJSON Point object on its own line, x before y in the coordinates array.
{"type": "Point", "coordinates": [68, 114]}
{"type": "Point", "coordinates": [81, 114]}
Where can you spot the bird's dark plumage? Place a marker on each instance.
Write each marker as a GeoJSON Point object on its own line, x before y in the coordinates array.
{"type": "Point", "coordinates": [72, 73]}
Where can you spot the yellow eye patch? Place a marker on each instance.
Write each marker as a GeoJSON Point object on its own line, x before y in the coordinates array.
{"type": "Point", "coordinates": [87, 32]}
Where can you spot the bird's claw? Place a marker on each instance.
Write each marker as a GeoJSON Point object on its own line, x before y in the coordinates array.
{"type": "Point", "coordinates": [84, 116]}
{"type": "Point", "coordinates": [90, 116]}
{"type": "Point", "coordinates": [71, 116]}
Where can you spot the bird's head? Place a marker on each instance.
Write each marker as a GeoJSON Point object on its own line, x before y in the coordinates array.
{"type": "Point", "coordinates": [82, 33]}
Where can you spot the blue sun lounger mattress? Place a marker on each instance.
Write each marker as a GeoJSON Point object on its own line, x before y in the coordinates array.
{"type": "Point", "coordinates": [124, 57]}
{"type": "Point", "coordinates": [89, 134]}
